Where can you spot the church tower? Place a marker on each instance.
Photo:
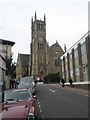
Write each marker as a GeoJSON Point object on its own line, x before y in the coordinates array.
{"type": "Point", "coordinates": [38, 47]}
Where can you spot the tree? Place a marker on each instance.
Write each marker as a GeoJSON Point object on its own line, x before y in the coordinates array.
{"type": "Point", "coordinates": [52, 78]}
{"type": "Point", "coordinates": [10, 67]}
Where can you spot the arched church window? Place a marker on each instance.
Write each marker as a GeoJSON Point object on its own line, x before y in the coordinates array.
{"type": "Point", "coordinates": [41, 26]}
{"type": "Point", "coordinates": [37, 27]}
{"type": "Point", "coordinates": [56, 55]}
{"type": "Point", "coordinates": [57, 59]}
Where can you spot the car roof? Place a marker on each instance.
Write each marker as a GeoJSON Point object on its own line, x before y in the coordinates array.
{"type": "Point", "coordinates": [25, 83]}
{"type": "Point", "coordinates": [19, 89]}
{"type": "Point", "coordinates": [28, 77]}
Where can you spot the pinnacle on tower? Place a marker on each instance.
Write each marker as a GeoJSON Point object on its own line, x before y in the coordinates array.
{"type": "Point", "coordinates": [65, 48]}
{"type": "Point", "coordinates": [32, 20]}
{"type": "Point", "coordinates": [35, 15]}
{"type": "Point", "coordinates": [44, 18]}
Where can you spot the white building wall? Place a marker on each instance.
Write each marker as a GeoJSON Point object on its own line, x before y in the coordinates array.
{"type": "Point", "coordinates": [76, 59]}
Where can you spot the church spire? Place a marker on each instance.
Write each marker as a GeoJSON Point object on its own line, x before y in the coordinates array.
{"type": "Point", "coordinates": [35, 15]}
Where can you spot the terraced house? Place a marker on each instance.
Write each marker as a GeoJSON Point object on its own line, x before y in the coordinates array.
{"type": "Point", "coordinates": [6, 53]}
{"type": "Point", "coordinates": [22, 68]}
{"type": "Point", "coordinates": [75, 63]}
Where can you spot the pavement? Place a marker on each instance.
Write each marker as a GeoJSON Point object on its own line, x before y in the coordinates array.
{"type": "Point", "coordinates": [80, 91]}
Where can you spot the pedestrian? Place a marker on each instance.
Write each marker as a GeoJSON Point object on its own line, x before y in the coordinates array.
{"type": "Point", "coordinates": [63, 82]}
{"type": "Point", "coordinates": [70, 81]}
{"type": "Point", "coordinates": [10, 83]}
{"type": "Point", "coordinates": [60, 80]}
{"type": "Point", "coordinates": [13, 83]}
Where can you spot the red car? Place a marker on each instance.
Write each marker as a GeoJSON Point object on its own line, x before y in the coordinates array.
{"type": "Point", "coordinates": [18, 104]}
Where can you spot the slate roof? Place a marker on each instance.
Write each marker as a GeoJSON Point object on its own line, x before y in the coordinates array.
{"type": "Point", "coordinates": [24, 59]}
{"type": "Point", "coordinates": [55, 45]}
{"type": "Point", "coordinates": [5, 42]}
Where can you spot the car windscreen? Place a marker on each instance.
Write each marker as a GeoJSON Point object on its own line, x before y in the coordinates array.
{"type": "Point", "coordinates": [25, 85]}
{"type": "Point", "coordinates": [17, 96]}
{"type": "Point", "coordinates": [27, 79]}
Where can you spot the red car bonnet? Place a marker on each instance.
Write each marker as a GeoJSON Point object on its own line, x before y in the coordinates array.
{"type": "Point", "coordinates": [16, 110]}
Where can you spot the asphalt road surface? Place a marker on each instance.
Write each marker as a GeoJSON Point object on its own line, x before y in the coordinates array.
{"type": "Point", "coordinates": [57, 102]}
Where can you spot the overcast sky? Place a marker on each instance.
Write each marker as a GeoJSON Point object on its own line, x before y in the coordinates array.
{"type": "Point", "coordinates": [66, 21]}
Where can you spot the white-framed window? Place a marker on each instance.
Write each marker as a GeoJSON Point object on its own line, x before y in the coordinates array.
{"type": "Point", "coordinates": [76, 53]}
{"type": "Point", "coordinates": [71, 73]}
{"type": "Point", "coordinates": [70, 56]}
{"type": "Point", "coordinates": [83, 48]}
{"type": "Point", "coordinates": [77, 71]}
{"type": "Point", "coordinates": [66, 73]}
{"type": "Point", "coordinates": [66, 59]}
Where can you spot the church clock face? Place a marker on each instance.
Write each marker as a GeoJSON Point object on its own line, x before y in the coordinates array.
{"type": "Point", "coordinates": [40, 39]}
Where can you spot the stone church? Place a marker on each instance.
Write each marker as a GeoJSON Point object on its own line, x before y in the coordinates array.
{"type": "Point", "coordinates": [44, 59]}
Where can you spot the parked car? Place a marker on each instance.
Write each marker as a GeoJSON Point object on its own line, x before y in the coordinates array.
{"type": "Point", "coordinates": [29, 86]}
{"type": "Point", "coordinates": [39, 80]}
{"type": "Point", "coordinates": [28, 79]}
{"type": "Point", "coordinates": [0, 97]}
{"type": "Point", "coordinates": [33, 80]}
{"type": "Point", "coordinates": [18, 104]}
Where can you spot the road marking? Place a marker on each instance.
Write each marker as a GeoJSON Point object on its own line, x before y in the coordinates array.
{"type": "Point", "coordinates": [52, 90]}
{"type": "Point", "coordinates": [39, 106]}
{"type": "Point", "coordinates": [42, 117]}
{"type": "Point", "coordinates": [40, 110]}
